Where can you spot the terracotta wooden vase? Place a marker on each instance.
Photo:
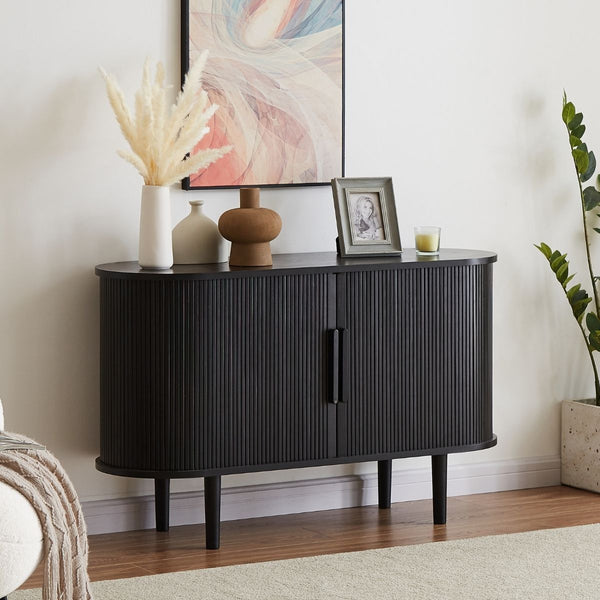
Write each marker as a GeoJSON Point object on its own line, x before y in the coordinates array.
{"type": "Point", "coordinates": [250, 230]}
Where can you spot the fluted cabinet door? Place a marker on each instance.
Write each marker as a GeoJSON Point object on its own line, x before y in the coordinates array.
{"type": "Point", "coordinates": [211, 374]}
{"type": "Point", "coordinates": [417, 366]}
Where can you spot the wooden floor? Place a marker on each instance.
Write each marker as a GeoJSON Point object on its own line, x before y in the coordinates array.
{"type": "Point", "coordinates": [131, 554]}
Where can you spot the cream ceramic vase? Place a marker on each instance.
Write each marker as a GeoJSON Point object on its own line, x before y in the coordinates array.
{"type": "Point", "coordinates": [156, 247]}
{"type": "Point", "coordinates": [580, 444]}
{"type": "Point", "coordinates": [196, 239]}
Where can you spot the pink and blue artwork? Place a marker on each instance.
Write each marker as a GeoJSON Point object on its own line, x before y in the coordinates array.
{"type": "Point", "coordinates": [275, 69]}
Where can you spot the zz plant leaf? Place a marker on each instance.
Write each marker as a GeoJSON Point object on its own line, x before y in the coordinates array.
{"type": "Point", "coordinates": [593, 324]}
{"type": "Point", "coordinates": [591, 168]}
{"type": "Point", "coordinates": [594, 338]}
{"type": "Point", "coordinates": [568, 113]}
{"type": "Point", "coordinates": [578, 131]}
{"type": "Point", "coordinates": [581, 158]}
{"type": "Point", "coordinates": [591, 198]}
{"type": "Point", "coordinates": [575, 122]}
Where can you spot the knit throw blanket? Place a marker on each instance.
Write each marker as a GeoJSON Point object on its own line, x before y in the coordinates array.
{"type": "Point", "coordinates": [38, 476]}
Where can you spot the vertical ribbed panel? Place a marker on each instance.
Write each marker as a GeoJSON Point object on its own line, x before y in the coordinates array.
{"type": "Point", "coordinates": [420, 359]}
{"type": "Point", "coordinates": [205, 374]}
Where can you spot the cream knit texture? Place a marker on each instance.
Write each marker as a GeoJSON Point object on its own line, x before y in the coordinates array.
{"type": "Point", "coordinates": [40, 478]}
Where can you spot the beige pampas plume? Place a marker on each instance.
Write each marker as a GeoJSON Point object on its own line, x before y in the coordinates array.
{"type": "Point", "coordinates": [161, 138]}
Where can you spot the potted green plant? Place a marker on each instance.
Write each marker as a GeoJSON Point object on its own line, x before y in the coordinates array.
{"type": "Point", "coordinates": [580, 429]}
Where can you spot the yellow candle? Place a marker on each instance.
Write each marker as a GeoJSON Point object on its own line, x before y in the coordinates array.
{"type": "Point", "coordinates": [427, 242]}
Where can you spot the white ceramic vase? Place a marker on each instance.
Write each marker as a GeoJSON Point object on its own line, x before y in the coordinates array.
{"type": "Point", "coordinates": [196, 239]}
{"type": "Point", "coordinates": [156, 247]}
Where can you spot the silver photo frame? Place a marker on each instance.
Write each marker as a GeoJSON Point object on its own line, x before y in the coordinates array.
{"type": "Point", "coordinates": [365, 211]}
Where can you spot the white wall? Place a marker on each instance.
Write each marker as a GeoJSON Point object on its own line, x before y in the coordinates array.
{"type": "Point", "coordinates": [459, 101]}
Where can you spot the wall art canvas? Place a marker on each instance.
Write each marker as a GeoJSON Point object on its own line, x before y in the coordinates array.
{"type": "Point", "coordinates": [276, 70]}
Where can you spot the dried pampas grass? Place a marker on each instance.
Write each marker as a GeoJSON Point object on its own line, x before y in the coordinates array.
{"type": "Point", "coordinates": [161, 138]}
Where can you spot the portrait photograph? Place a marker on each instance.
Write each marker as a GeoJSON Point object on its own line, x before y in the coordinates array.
{"type": "Point", "coordinates": [367, 222]}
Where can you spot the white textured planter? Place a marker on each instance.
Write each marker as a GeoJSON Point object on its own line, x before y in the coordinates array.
{"type": "Point", "coordinates": [156, 247]}
{"type": "Point", "coordinates": [196, 239]}
{"type": "Point", "coordinates": [580, 445]}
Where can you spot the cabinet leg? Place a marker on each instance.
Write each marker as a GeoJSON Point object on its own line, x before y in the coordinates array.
{"type": "Point", "coordinates": [384, 483]}
{"type": "Point", "coordinates": [439, 479]}
{"type": "Point", "coordinates": [212, 511]}
{"type": "Point", "coordinates": [161, 499]}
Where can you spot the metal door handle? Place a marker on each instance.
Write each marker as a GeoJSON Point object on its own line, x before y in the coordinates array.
{"type": "Point", "coordinates": [335, 366]}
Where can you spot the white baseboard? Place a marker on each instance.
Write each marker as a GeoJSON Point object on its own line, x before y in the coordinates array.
{"type": "Point", "coordinates": [108, 516]}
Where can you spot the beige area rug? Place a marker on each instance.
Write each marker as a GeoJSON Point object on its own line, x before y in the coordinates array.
{"type": "Point", "coordinates": [561, 564]}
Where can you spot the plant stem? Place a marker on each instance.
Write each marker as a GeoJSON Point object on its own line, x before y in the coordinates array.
{"type": "Point", "coordinates": [591, 354]}
{"type": "Point", "coordinates": [587, 243]}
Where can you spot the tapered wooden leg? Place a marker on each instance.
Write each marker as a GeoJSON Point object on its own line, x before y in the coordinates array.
{"type": "Point", "coordinates": [212, 511]}
{"type": "Point", "coordinates": [439, 479]}
{"type": "Point", "coordinates": [384, 483]}
{"type": "Point", "coordinates": [161, 498]}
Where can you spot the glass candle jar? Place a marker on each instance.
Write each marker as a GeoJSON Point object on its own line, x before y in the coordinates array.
{"type": "Point", "coordinates": [427, 239]}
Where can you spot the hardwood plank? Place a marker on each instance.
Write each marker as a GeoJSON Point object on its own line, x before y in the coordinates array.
{"type": "Point", "coordinates": [136, 553]}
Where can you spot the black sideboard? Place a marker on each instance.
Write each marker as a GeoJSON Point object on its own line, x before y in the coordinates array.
{"type": "Point", "coordinates": [207, 370]}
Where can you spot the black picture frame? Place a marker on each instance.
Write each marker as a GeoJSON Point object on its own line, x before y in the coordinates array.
{"type": "Point", "coordinates": [365, 212]}
{"type": "Point", "coordinates": [185, 60]}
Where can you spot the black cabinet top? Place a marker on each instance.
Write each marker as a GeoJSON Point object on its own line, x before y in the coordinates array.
{"type": "Point", "coordinates": [288, 264]}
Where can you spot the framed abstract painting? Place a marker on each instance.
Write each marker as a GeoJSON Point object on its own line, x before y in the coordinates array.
{"type": "Point", "coordinates": [276, 70]}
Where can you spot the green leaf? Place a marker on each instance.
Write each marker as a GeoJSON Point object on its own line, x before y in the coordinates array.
{"type": "Point", "coordinates": [574, 141]}
{"type": "Point", "coordinates": [575, 121]}
{"type": "Point", "coordinates": [579, 308]}
{"type": "Point", "coordinates": [582, 159]}
{"type": "Point", "coordinates": [572, 291]}
{"type": "Point", "coordinates": [597, 231]}
{"type": "Point", "coordinates": [562, 273]}
{"type": "Point", "coordinates": [579, 295]}
{"type": "Point", "coordinates": [591, 168]}
{"type": "Point", "coordinates": [568, 112]}
{"type": "Point", "coordinates": [558, 262]}
{"type": "Point", "coordinates": [594, 338]}
{"type": "Point", "coordinates": [578, 131]}
{"type": "Point", "coordinates": [544, 249]}
{"type": "Point", "coordinates": [554, 256]}
{"type": "Point", "coordinates": [591, 198]}
{"type": "Point", "coordinates": [592, 321]}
